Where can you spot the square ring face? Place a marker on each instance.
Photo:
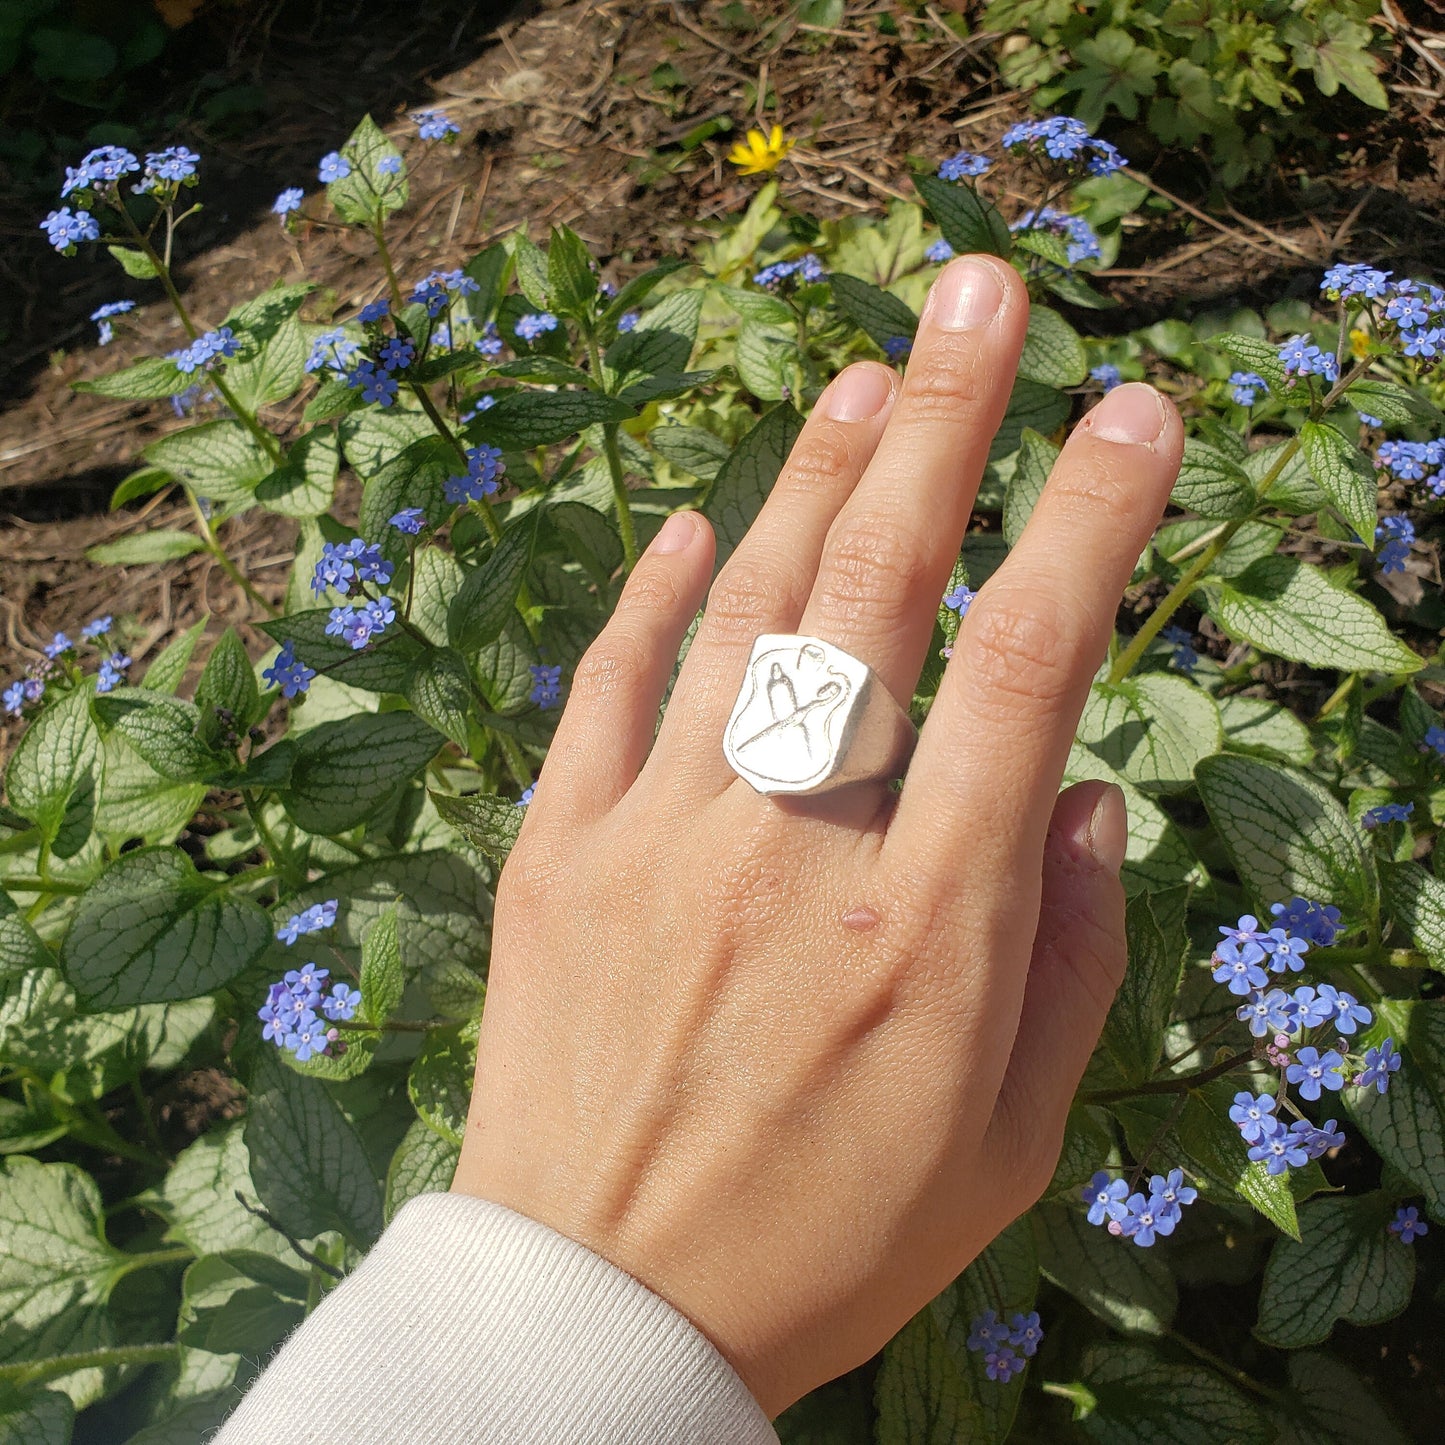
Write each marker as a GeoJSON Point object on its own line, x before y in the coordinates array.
{"type": "Point", "coordinates": [797, 705]}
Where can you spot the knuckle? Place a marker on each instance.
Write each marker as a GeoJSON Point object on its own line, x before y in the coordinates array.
{"type": "Point", "coordinates": [652, 590]}
{"type": "Point", "coordinates": [611, 665]}
{"type": "Point", "coordinates": [819, 462]}
{"type": "Point", "coordinates": [1019, 646]}
{"type": "Point", "coordinates": [876, 566]}
{"type": "Point", "coordinates": [1090, 484]}
{"type": "Point", "coordinates": [745, 590]}
{"type": "Point", "coordinates": [945, 381]}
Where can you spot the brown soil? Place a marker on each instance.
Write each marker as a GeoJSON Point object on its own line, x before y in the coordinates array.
{"type": "Point", "coordinates": [563, 121]}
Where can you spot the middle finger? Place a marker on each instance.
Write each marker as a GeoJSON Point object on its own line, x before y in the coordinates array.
{"type": "Point", "coordinates": [892, 546]}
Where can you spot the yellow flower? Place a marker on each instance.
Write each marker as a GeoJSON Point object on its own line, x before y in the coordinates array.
{"type": "Point", "coordinates": [760, 152]}
{"type": "Point", "coordinates": [1360, 343]}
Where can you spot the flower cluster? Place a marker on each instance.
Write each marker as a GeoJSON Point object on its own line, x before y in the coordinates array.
{"type": "Point", "coordinates": [1407, 1226]}
{"type": "Point", "coordinates": [805, 270]}
{"type": "Point", "coordinates": [1081, 240]}
{"type": "Point", "coordinates": [1301, 357]}
{"type": "Point", "coordinates": [344, 564]}
{"type": "Point", "coordinates": [1414, 462]}
{"type": "Point", "coordinates": [1280, 1146]}
{"type": "Point", "coordinates": [301, 1011]}
{"type": "Point", "coordinates": [534, 324]}
{"type": "Point", "coordinates": [1184, 657]}
{"type": "Point", "coordinates": [1138, 1216]}
{"type": "Point", "coordinates": [102, 317]}
{"type": "Point", "coordinates": [97, 180]}
{"type": "Point", "coordinates": [1245, 386]}
{"type": "Point", "coordinates": [435, 125]}
{"type": "Point", "coordinates": [1002, 1345]}
{"type": "Point", "coordinates": [546, 684]}
{"type": "Point", "coordinates": [436, 290]}
{"type": "Point", "coordinates": [358, 625]}
{"type": "Point", "coordinates": [206, 350]}
{"type": "Point", "coordinates": [409, 521]}
{"type": "Point", "coordinates": [1386, 813]}
{"type": "Point", "coordinates": [485, 469]}
{"type": "Point", "coordinates": [1106, 374]}
{"type": "Point", "coordinates": [964, 163]}
{"type": "Point", "coordinates": [1062, 139]}
{"type": "Point", "coordinates": [26, 691]}
{"type": "Point", "coordinates": [289, 674]}
{"type": "Point", "coordinates": [1397, 534]}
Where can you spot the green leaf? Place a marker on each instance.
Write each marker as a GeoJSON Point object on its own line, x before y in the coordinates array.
{"type": "Point", "coordinates": [424, 1163]}
{"type": "Point", "coordinates": [571, 280]}
{"type": "Point", "coordinates": [151, 929]}
{"type": "Point", "coordinates": [1154, 729]}
{"type": "Point", "coordinates": [1345, 1266]}
{"type": "Point", "coordinates": [1130, 1289]}
{"type": "Point", "coordinates": [1141, 1400]}
{"type": "Point", "coordinates": [1053, 353]}
{"type": "Point", "coordinates": [1286, 835]}
{"type": "Point", "coordinates": [1264, 729]}
{"type": "Point", "coordinates": [137, 803]}
{"type": "Point", "coordinates": [1406, 1126]}
{"type": "Point", "coordinates": [489, 823]}
{"type": "Point", "coordinates": [1415, 899]}
{"type": "Point", "coordinates": [488, 597]}
{"type": "Point", "coordinates": [589, 537]}
{"type": "Point", "coordinates": [745, 479]}
{"type": "Point", "coordinates": [922, 1394]}
{"type": "Point", "coordinates": [303, 485]}
{"type": "Point", "coordinates": [1036, 458]}
{"type": "Point", "coordinates": [531, 264]}
{"type": "Point", "coordinates": [347, 769]}
{"type": "Point", "coordinates": [308, 1162]}
{"type": "Point", "coordinates": [20, 947]}
{"type": "Point", "coordinates": [167, 668]}
{"type": "Point", "coordinates": [148, 380]}
{"type": "Point", "coordinates": [384, 666]}
{"type": "Point", "coordinates": [44, 1417]}
{"type": "Point", "coordinates": [56, 1268]}
{"type": "Point", "coordinates": [1328, 1404]}
{"type": "Point", "coordinates": [1343, 475]}
{"type": "Point", "coordinates": [1134, 1030]}
{"type": "Point", "coordinates": [881, 316]}
{"type": "Point", "coordinates": [765, 359]}
{"type": "Point", "coordinates": [413, 477]}
{"type": "Point", "coordinates": [1250, 353]}
{"type": "Point", "coordinates": [761, 305]}
{"type": "Point", "coordinates": [227, 685]}
{"type": "Point", "coordinates": [364, 197]}
{"type": "Point", "coordinates": [1288, 607]}
{"type": "Point", "coordinates": [162, 730]}
{"type": "Point", "coordinates": [1031, 406]}
{"type": "Point", "coordinates": [143, 483]}
{"type": "Point", "coordinates": [58, 758]}
{"type": "Point", "coordinates": [639, 288]}
{"type": "Point", "coordinates": [197, 1198]}
{"type": "Point", "coordinates": [440, 1082]}
{"type": "Point", "coordinates": [440, 692]}
{"type": "Point", "coordinates": [382, 979]}
{"type": "Point", "coordinates": [1395, 405]}
{"type": "Point", "coordinates": [143, 549]}
{"type": "Point", "coordinates": [1211, 484]}
{"type": "Point", "coordinates": [253, 1321]}
{"type": "Point", "coordinates": [1005, 1278]}
{"type": "Point", "coordinates": [523, 419]}
{"type": "Point", "coordinates": [967, 221]}
{"type": "Point", "coordinates": [1157, 855]}
{"type": "Point", "coordinates": [217, 459]}
{"type": "Point", "coordinates": [277, 366]}
{"type": "Point", "coordinates": [134, 263]}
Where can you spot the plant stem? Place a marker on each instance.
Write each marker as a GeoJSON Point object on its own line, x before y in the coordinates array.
{"type": "Point", "coordinates": [279, 856]}
{"type": "Point", "coordinates": [44, 885]}
{"type": "Point", "coordinates": [1170, 1086]}
{"type": "Point", "coordinates": [58, 1366]}
{"type": "Point", "coordinates": [1337, 697]}
{"type": "Point", "coordinates": [1240, 1378]}
{"type": "Point", "coordinates": [625, 529]}
{"type": "Point", "coordinates": [378, 234]}
{"type": "Point", "coordinates": [271, 1222]}
{"type": "Point", "coordinates": [156, 1258]}
{"type": "Point", "coordinates": [516, 759]}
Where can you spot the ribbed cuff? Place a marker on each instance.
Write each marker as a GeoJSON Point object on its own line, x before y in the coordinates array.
{"type": "Point", "coordinates": [471, 1324]}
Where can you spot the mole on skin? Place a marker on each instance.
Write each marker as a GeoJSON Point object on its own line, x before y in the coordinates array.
{"type": "Point", "coordinates": [860, 919]}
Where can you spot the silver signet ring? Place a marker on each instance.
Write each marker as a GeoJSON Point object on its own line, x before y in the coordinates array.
{"type": "Point", "coordinates": [810, 717]}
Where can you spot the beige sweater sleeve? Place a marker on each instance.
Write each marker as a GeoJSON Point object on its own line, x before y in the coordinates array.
{"type": "Point", "coordinates": [470, 1324]}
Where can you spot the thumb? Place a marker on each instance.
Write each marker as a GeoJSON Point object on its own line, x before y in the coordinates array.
{"type": "Point", "coordinates": [1078, 963]}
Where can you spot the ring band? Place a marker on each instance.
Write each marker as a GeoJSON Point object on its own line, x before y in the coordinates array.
{"type": "Point", "coordinates": [810, 718]}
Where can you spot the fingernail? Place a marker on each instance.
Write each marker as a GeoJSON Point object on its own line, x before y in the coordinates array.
{"type": "Point", "coordinates": [858, 393]}
{"type": "Point", "coordinates": [966, 295]}
{"type": "Point", "coordinates": [1108, 835]}
{"type": "Point", "coordinates": [674, 534]}
{"type": "Point", "coordinates": [1133, 414]}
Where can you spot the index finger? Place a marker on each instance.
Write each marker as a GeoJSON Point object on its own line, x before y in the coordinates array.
{"type": "Point", "coordinates": [992, 753]}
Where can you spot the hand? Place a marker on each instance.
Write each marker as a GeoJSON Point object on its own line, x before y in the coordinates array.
{"type": "Point", "coordinates": [792, 1063]}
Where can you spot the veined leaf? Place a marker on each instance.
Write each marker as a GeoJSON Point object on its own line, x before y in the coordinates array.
{"type": "Point", "coordinates": [1053, 353]}
{"type": "Point", "coordinates": [490, 824]}
{"type": "Point", "coordinates": [741, 486]}
{"type": "Point", "coordinates": [1343, 475]}
{"type": "Point", "coordinates": [1153, 728]}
